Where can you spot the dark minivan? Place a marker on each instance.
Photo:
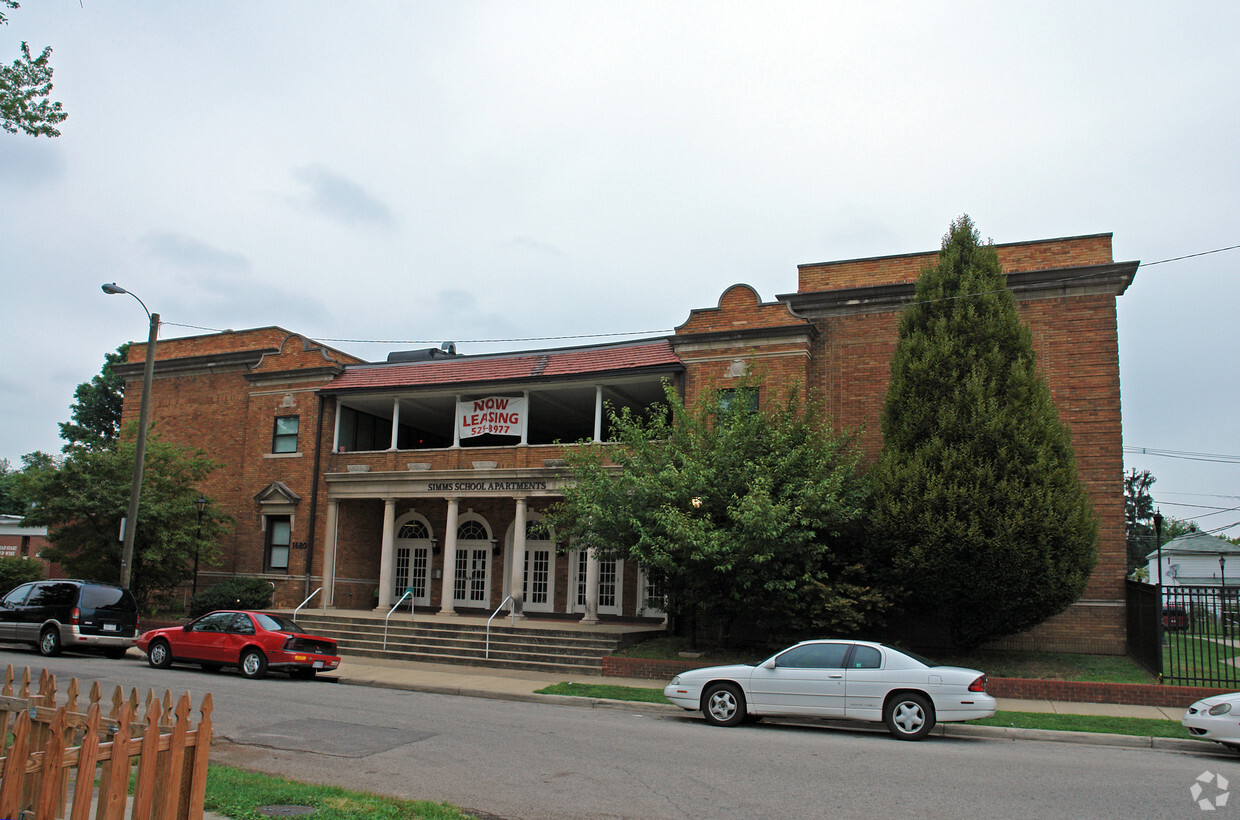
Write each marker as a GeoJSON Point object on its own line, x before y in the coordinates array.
{"type": "Point", "coordinates": [70, 614]}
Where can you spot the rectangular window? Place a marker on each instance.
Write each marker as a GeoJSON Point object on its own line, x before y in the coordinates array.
{"type": "Point", "coordinates": [746, 398]}
{"type": "Point", "coordinates": [279, 536]}
{"type": "Point", "coordinates": [284, 439]}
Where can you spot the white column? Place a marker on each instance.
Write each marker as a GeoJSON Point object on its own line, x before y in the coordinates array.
{"type": "Point", "coordinates": [328, 596]}
{"type": "Point", "coordinates": [395, 422]}
{"type": "Point", "coordinates": [336, 428]}
{"type": "Point", "coordinates": [517, 570]}
{"type": "Point", "coordinates": [591, 616]}
{"type": "Point", "coordinates": [598, 413]}
{"type": "Point", "coordinates": [449, 560]}
{"type": "Point", "coordinates": [386, 554]}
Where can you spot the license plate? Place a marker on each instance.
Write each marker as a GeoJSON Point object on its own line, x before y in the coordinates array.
{"type": "Point", "coordinates": [318, 664]}
{"type": "Point", "coordinates": [111, 628]}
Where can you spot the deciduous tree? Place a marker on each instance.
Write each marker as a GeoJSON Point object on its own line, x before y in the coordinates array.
{"type": "Point", "coordinates": [82, 502]}
{"type": "Point", "coordinates": [25, 89]}
{"type": "Point", "coordinates": [735, 513]}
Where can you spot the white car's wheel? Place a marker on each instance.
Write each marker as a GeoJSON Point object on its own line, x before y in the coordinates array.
{"type": "Point", "coordinates": [909, 716]}
{"type": "Point", "coordinates": [723, 704]}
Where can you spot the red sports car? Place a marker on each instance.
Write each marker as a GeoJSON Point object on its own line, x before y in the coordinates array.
{"type": "Point", "coordinates": [251, 641]}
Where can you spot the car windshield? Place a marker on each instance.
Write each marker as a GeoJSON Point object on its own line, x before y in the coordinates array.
{"type": "Point", "coordinates": [276, 623]}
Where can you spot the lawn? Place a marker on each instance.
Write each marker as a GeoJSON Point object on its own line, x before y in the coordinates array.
{"type": "Point", "coordinates": [239, 794]}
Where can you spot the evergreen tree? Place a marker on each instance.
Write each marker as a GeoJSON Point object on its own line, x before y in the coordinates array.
{"type": "Point", "coordinates": [1138, 516]}
{"type": "Point", "coordinates": [978, 508]}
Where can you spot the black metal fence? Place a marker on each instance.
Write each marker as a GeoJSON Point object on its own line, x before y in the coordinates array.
{"type": "Point", "coordinates": [1195, 641]}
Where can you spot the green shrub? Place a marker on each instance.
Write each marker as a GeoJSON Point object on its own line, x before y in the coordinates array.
{"type": "Point", "coordinates": [237, 593]}
{"type": "Point", "coordinates": [16, 571]}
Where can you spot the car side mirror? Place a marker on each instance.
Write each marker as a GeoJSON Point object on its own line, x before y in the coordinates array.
{"type": "Point", "coordinates": [770, 664]}
{"type": "Point", "coordinates": [185, 628]}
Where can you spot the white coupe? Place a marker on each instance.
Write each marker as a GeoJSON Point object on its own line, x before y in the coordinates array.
{"type": "Point", "coordinates": [1216, 718]}
{"type": "Point", "coordinates": [856, 680]}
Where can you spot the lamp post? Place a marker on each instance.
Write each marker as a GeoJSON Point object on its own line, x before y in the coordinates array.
{"type": "Point", "coordinates": [144, 415]}
{"type": "Point", "coordinates": [1158, 522]}
{"type": "Point", "coordinates": [201, 503]}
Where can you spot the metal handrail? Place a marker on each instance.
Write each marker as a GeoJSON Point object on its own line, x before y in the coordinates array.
{"type": "Point", "coordinates": [408, 593]}
{"type": "Point", "coordinates": [492, 618]}
{"type": "Point", "coordinates": [303, 603]}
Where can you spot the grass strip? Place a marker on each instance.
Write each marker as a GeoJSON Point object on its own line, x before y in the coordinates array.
{"type": "Point", "coordinates": [238, 794]}
{"type": "Point", "coordinates": [596, 690]}
{"type": "Point", "coordinates": [1105, 724]}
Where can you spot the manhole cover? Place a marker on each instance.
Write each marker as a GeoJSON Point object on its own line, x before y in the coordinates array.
{"type": "Point", "coordinates": [285, 811]}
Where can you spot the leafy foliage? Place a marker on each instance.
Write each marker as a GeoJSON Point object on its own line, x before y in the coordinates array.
{"type": "Point", "coordinates": [13, 490]}
{"type": "Point", "coordinates": [96, 408]}
{"type": "Point", "coordinates": [17, 571]}
{"type": "Point", "coordinates": [83, 501]}
{"type": "Point", "coordinates": [978, 508]}
{"type": "Point", "coordinates": [735, 514]}
{"type": "Point", "coordinates": [234, 593]}
{"type": "Point", "coordinates": [24, 90]}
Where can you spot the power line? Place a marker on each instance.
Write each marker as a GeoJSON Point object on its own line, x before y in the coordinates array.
{"type": "Point", "coordinates": [661, 331]}
{"type": "Point", "coordinates": [1183, 454]}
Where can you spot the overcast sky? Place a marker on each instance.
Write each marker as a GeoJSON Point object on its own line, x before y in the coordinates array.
{"type": "Point", "coordinates": [387, 175]}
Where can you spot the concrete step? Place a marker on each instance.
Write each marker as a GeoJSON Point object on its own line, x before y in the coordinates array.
{"type": "Point", "coordinates": [540, 647]}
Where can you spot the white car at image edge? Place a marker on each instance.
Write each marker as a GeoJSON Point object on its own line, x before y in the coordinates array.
{"type": "Point", "coordinates": [854, 680]}
{"type": "Point", "coordinates": [1215, 718]}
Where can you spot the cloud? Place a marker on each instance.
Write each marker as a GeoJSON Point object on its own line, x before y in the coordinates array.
{"type": "Point", "coordinates": [192, 255]}
{"type": "Point", "coordinates": [341, 199]}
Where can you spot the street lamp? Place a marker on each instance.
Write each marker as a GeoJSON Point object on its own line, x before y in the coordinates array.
{"type": "Point", "coordinates": [1158, 519]}
{"type": "Point", "coordinates": [201, 503]}
{"type": "Point", "coordinates": [144, 414]}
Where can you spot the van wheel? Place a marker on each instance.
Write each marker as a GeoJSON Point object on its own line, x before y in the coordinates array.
{"type": "Point", "coordinates": [49, 642]}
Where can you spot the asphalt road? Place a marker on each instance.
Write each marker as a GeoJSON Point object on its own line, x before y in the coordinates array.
{"type": "Point", "coordinates": [531, 760]}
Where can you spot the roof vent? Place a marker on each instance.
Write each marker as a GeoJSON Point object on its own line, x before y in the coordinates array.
{"type": "Point", "coordinates": [426, 354]}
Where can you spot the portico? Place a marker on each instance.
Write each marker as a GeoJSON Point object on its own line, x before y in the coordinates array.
{"type": "Point", "coordinates": [466, 541]}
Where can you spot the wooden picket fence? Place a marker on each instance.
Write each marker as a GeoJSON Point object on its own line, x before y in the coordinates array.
{"type": "Point", "coordinates": [74, 756]}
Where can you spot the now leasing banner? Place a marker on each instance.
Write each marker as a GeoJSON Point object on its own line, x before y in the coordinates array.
{"type": "Point", "coordinates": [498, 415]}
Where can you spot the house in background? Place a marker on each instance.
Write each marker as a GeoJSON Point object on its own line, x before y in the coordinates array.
{"type": "Point", "coordinates": [1196, 559]}
{"type": "Point", "coordinates": [17, 541]}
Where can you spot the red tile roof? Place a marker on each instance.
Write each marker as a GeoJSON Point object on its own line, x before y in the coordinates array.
{"type": "Point", "coordinates": [520, 366]}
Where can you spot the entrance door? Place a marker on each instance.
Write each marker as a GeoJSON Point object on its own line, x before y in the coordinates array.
{"type": "Point", "coordinates": [412, 570]}
{"type": "Point", "coordinates": [610, 573]}
{"type": "Point", "coordinates": [472, 580]}
{"type": "Point", "coordinates": [539, 575]}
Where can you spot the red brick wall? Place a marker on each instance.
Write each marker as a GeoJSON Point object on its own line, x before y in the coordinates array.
{"type": "Point", "coordinates": [905, 268]}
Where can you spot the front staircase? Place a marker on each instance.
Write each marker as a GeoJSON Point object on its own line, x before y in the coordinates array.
{"type": "Point", "coordinates": [536, 645]}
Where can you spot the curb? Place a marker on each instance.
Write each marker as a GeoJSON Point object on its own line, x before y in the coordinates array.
{"type": "Point", "coordinates": [962, 730]}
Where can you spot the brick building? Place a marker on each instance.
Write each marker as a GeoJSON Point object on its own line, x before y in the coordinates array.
{"type": "Point", "coordinates": [424, 472]}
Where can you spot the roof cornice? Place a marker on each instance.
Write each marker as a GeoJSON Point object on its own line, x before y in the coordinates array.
{"type": "Point", "coordinates": [1110, 279]}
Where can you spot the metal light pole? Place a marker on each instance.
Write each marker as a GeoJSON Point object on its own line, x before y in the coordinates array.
{"type": "Point", "coordinates": [201, 503]}
{"type": "Point", "coordinates": [1158, 519]}
{"type": "Point", "coordinates": [144, 415]}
